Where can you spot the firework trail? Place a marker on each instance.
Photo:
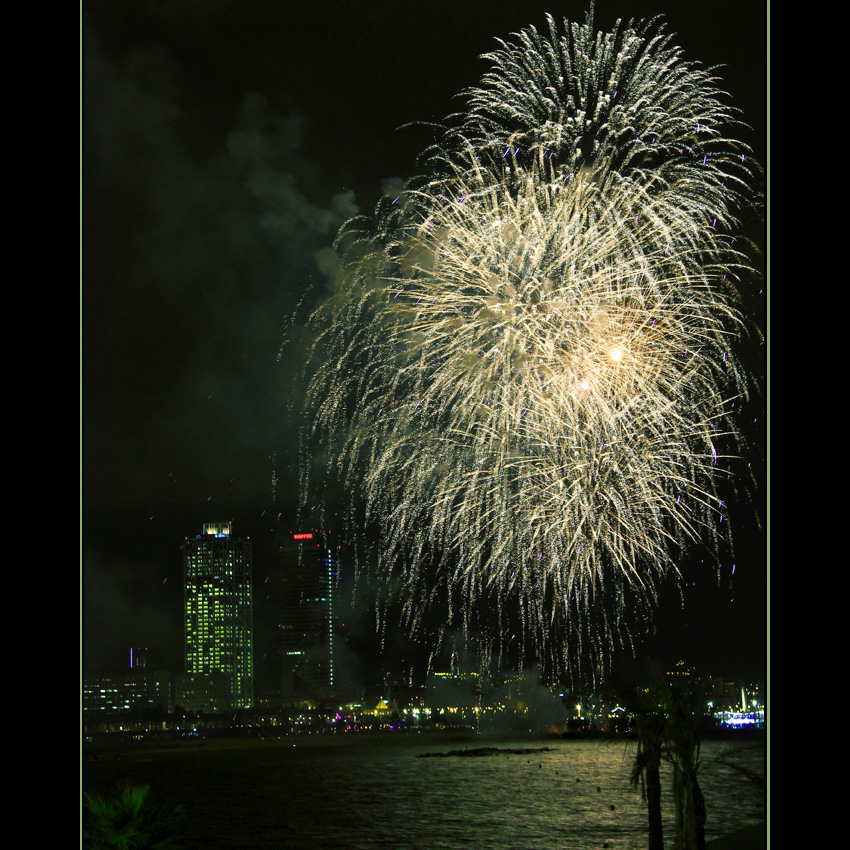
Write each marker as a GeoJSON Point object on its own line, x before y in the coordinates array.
{"type": "Point", "coordinates": [529, 374]}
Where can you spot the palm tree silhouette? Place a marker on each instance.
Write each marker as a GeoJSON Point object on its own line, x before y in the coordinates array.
{"type": "Point", "coordinates": [669, 724]}
{"type": "Point", "coordinates": [129, 822]}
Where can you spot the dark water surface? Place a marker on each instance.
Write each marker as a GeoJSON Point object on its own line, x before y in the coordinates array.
{"type": "Point", "coordinates": [374, 792]}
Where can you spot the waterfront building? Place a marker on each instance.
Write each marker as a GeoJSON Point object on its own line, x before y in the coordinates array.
{"type": "Point", "coordinates": [130, 691]}
{"type": "Point", "coordinates": [310, 576]}
{"type": "Point", "coordinates": [218, 620]}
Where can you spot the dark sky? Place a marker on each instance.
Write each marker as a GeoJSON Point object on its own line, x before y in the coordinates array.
{"type": "Point", "coordinates": [225, 142]}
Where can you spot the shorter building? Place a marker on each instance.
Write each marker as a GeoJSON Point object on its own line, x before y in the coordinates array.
{"type": "Point", "coordinates": [133, 691]}
{"type": "Point", "coordinates": [204, 692]}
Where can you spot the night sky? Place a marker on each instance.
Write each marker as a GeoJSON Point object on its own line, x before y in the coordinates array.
{"type": "Point", "coordinates": [224, 144]}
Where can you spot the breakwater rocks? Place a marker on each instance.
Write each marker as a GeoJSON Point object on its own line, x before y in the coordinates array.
{"type": "Point", "coordinates": [478, 752]}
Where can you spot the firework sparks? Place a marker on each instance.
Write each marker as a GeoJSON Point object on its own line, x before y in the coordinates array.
{"type": "Point", "coordinates": [623, 103]}
{"type": "Point", "coordinates": [526, 380]}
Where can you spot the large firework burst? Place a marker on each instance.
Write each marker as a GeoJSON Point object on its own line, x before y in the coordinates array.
{"type": "Point", "coordinates": [531, 366]}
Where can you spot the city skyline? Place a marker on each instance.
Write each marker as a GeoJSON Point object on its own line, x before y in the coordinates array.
{"type": "Point", "coordinates": [359, 660]}
{"type": "Point", "coordinates": [222, 150]}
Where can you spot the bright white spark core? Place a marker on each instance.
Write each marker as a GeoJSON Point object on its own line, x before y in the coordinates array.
{"type": "Point", "coordinates": [522, 380]}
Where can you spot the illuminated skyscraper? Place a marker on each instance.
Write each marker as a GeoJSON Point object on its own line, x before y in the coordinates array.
{"type": "Point", "coordinates": [310, 578]}
{"type": "Point", "coordinates": [219, 612]}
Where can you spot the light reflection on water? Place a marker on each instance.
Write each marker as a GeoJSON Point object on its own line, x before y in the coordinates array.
{"type": "Point", "coordinates": [371, 794]}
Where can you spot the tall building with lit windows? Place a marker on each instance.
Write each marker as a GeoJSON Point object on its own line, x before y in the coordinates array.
{"type": "Point", "coordinates": [310, 573]}
{"type": "Point", "coordinates": [217, 593]}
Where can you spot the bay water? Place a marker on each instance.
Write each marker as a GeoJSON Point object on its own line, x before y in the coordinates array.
{"type": "Point", "coordinates": [377, 792]}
